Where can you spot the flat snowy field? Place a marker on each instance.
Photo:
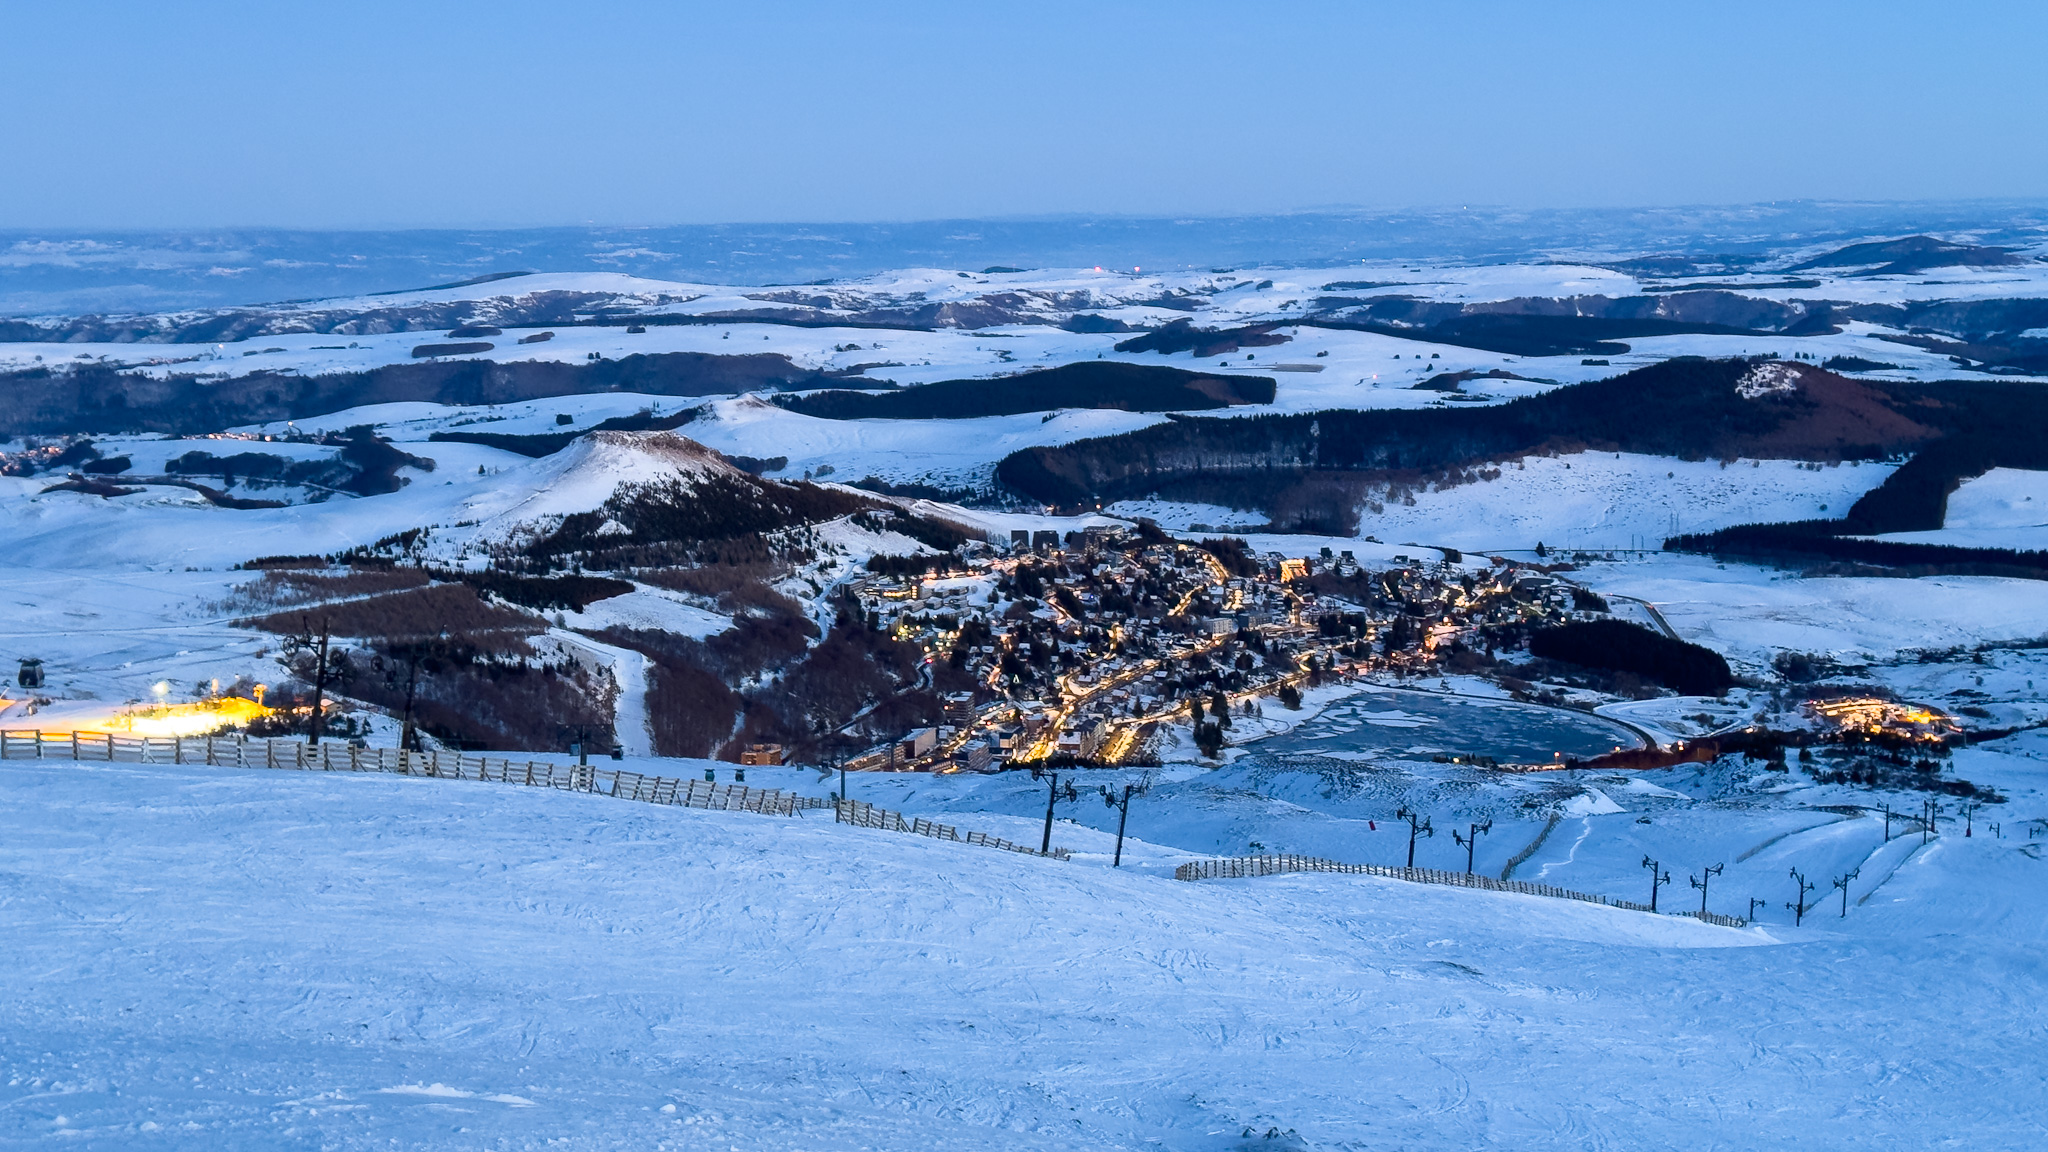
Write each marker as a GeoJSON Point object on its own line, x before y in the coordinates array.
{"type": "Point", "coordinates": [207, 958]}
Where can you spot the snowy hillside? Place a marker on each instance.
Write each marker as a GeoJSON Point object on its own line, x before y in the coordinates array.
{"type": "Point", "coordinates": [219, 959]}
{"type": "Point", "coordinates": [1594, 500]}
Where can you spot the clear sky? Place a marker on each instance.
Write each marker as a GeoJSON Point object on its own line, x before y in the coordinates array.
{"type": "Point", "coordinates": [162, 114]}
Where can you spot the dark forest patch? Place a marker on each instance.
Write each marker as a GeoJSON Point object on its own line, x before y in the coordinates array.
{"type": "Point", "coordinates": [1912, 254]}
{"type": "Point", "coordinates": [367, 465]}
{"type": "Point", "coordinates": [1854, 364]}
{"type": "Point", "coordinates": [1687, 408]}
{"type": "Point", "coordinates": [1513, 335]}
{"type": "Point", "coordinates": [1574, 325]}
{"type": "Point", "coordinates": [1094, 323]}
{"type": "Point", "coordinates": [1987, 424]}
{"type": "Point", "coordinates": [1620, 646]}
{"type": "Point", "coordinates": [46, 401]}
{"type": "Point", "coordinates": [549, 443]}
{"type": "Point", "coordinates": [1454, 381]}
{"type": "Point", "coordinates": [573, 592]}
{"type": "Point", "coordinates": [463, 348]}
{"type": "Point", "coordinates": [1180, 336]}
{"type": "Point", "coordinates": [1088, 384]}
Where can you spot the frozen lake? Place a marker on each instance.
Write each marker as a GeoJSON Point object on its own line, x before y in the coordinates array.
{"type": "Point", "coordinates": [1395, 724]}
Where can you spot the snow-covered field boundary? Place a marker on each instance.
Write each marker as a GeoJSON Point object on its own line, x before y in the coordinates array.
{"type": "Point", "coordinates": [862, 815]}
{"type": "Point", "coordinates": [299, 755]}
{"type": "Point", "coordinates": [1240, 867]}
{"type": "Point", "coordinates": [227, 752]}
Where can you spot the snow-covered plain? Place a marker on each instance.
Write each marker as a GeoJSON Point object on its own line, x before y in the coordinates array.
{"type": "Point", "coordinates": [206, 958]}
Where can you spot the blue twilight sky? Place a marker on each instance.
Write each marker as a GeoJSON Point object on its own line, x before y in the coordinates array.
{"type": "Point", "coordinates": [154, 113]}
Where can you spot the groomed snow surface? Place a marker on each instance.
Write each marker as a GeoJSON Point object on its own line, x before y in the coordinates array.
{"type": "Point", "coordinates": [209, 958]}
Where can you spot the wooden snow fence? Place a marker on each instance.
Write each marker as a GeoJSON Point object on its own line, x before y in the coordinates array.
{"type": "Point", "coordinates": [1239, 867]}
{"type": "Point", "coordinates": [868, 816]}
{"type": "Point", "coordinates": [232, 752]}
{"type": "Point", "coordinates": [235, 752]}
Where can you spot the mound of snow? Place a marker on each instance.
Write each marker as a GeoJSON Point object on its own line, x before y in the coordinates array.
{"type": "Point", "coordinates": [1591, 802]}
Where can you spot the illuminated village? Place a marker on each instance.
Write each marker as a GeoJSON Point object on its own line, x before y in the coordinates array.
{"type": "Point", "coordinates": [1082, 646]}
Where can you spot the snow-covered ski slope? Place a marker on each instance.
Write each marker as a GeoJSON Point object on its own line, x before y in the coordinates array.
{"type": "Point", "coordinates": [218, 959]}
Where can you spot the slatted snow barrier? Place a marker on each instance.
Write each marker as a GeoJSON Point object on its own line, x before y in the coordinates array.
{"type": "Point", "coordinates": [1239, 867]}
{"type": "Point", "coordinates": [868, 816]}
{"type": "Point", "coordinates": [233, 752]}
